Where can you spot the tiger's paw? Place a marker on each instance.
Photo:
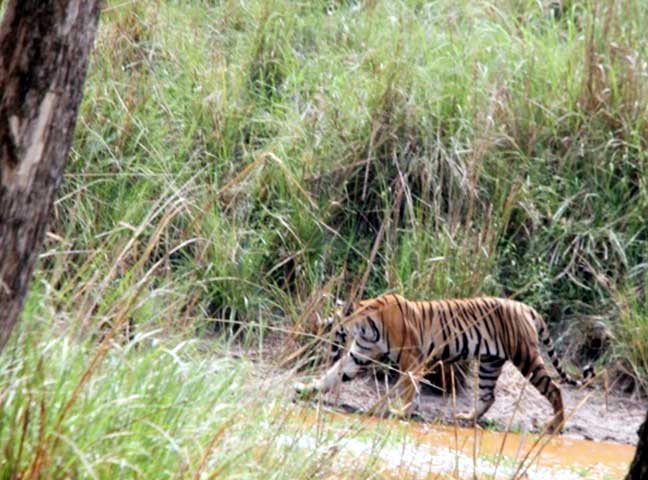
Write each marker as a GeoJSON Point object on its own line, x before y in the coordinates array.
{"type": "Point", "coordinates": [465, 416]}
{"type": "Point", "coordinates": [403, 413]}
{"type": "Point", "coordinates": [399, 413]}
{"type": "Point", "coordinates": [304, 392]}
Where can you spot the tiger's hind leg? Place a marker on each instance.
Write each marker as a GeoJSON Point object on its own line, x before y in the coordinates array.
{"type": "Point", "coordinates": [489, 371]}
{"type": "Point", "coordinates": [534, 369]}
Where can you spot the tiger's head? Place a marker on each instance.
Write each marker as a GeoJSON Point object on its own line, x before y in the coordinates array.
{"type": "Point", "coordinates": [360, 320]}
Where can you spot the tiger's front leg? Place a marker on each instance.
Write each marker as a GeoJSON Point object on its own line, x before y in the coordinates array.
{"type": "Point", "coordinates": [343, 370]}
{"type": "Point", "coordinates": [411, 369]}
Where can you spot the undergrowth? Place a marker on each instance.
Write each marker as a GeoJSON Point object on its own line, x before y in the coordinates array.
{"type": "Point", "coordinates": [250, 162]}
{"type": "Point", "coordinates": [153, 407]}
{"type": "Point", "coordinates": [259, 159]}
{"type": "Point", "coordinates": [160, 406]}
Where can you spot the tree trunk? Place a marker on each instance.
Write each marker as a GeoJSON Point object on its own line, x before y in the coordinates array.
{"type": "Point", "coordinates": [44, 46]}
{"type": "Point", "coordinates": [639, 466]}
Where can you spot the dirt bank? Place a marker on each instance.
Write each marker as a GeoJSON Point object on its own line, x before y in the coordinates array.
{"type": "Point", "coordinates": [592, 420]}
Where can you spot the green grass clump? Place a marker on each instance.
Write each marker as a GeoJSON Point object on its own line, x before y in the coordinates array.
{"type": "Point", "coordinates": [252, 157]}
{"type": "Point", "coordinates": [245, 162]}
{"type": "Point", "coordinates": [154, 407]}
{"type": "Point", "coordinates": [256, 153]}
{"type": "Point", "coordinates": [162, 406]}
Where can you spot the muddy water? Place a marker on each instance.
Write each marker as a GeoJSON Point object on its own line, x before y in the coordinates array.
{"type": "Point", "coordinates": [426, 449]}
{"type": "Point", "coordinates": [592, 459]}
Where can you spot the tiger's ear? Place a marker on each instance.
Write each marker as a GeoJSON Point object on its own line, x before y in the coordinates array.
{"type": "Point", "coordinates": [348, 309]}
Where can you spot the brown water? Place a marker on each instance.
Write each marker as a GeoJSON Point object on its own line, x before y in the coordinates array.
{"type": "Point", "coordinates": [597, 458]}
{"type": "Point", "coordinates": [427, 449]}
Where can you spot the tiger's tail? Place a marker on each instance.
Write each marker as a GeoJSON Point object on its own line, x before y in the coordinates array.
{"type": "Point", "coordinates": [543, 334]}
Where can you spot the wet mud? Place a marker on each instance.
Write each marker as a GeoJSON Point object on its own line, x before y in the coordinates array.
{"type": "Point", "coordinates": [518, 404]}
{"type": "Point", "coordinates": [456, 452]}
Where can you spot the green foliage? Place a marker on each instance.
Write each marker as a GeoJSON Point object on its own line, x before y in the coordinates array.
{"type": "Point", "coordinates": [161, 406]}
{"type": "Point", "coordinates": [149, 408]}
{"type": "Point", "coordinates": [235, 161]}
{"type": "Point", "coordinates": [243, 162]}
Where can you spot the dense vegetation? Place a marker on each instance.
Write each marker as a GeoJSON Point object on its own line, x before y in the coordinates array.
{"type": "Point", "coordinates": [249, 162]}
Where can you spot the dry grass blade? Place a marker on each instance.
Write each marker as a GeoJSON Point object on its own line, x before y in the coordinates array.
{"type": "Point", "coordinates": [455, 428]}
{"type": "Point", "coordinates": [543, 440]}
{"type": "Point", "coordinates": [508, 429]}
{"type": "Point", "coordinates": [476, 428]}
{"type": "Point", "coordinates": [210, 447]}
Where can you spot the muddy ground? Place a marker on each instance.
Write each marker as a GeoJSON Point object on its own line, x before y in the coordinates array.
{"type": "Point", "coordinates": [618, 422]}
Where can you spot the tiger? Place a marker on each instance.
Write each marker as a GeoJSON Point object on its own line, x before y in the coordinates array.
{"type": "Point", "coordinates": [416, 335]}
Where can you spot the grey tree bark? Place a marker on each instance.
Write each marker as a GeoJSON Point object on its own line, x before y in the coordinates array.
{"type": "Point", "coordinates": [44, 47]}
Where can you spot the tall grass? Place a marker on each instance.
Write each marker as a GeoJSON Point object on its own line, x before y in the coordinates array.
{"type": "Point", "coordinates": [499, 150]}
{"type": "Point", "coordinates": [151, 408]}
{"type": "Point", "coordinates": [247, 162]}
